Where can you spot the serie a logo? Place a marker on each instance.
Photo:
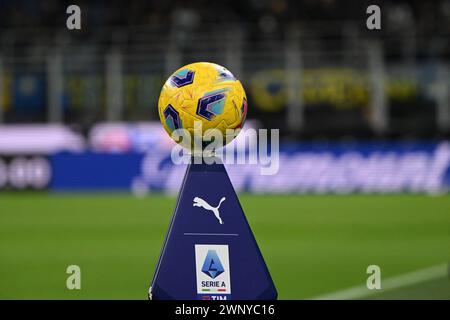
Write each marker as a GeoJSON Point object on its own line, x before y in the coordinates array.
{"type": "Point", "coordinates": [213, 270]}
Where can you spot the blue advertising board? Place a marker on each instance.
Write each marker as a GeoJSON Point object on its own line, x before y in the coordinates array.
{"type": "Point", "coordinates": [300, 168]}
{"type": "Point", "coordinates": [94, 171]}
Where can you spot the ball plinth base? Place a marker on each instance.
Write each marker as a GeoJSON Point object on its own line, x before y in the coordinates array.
{"type": "Point", "coordinates": [209, 252]}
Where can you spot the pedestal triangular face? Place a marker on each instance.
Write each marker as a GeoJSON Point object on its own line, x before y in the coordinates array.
{"type": "Point", "coordinates": [210, 251]}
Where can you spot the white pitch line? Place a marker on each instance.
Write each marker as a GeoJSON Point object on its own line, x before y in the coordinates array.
{"type": "Point", "coordinates": [402, 280]}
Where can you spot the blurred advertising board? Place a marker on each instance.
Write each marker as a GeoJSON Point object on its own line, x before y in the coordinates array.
{"type": "Point", "coordinates": [90, 171]}
{"type": "Point", "coordinates": [303, 168]}
{"type": "Point", "coordinates": [24, 172]}
{"type": "Point", "coordinates": [120, 137]}
{"type": "Point", "coordinates": [24, 151]}
{"type": "Point", "coordinates": [38, 139]}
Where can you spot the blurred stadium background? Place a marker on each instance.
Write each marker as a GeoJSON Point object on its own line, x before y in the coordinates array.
{"type": "Point", "coordinates": [364, 116]}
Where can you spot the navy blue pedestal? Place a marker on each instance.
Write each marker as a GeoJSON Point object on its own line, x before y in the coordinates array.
{"type": "Point", "coordinates": [210, 252]}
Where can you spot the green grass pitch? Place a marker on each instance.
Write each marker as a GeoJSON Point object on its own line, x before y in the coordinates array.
{"type": "Point", "coordinates": [313, 245]}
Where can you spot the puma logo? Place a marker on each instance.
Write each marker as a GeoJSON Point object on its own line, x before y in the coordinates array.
{"type": "Point", "coordinates": [199, 202]}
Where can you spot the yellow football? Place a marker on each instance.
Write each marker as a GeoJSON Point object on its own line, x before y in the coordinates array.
{"type": "Point", "coordinates": [204, 92]}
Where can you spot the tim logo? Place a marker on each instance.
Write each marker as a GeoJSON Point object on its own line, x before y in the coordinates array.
{"type": "Point", "coordinates": [199, 202]}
